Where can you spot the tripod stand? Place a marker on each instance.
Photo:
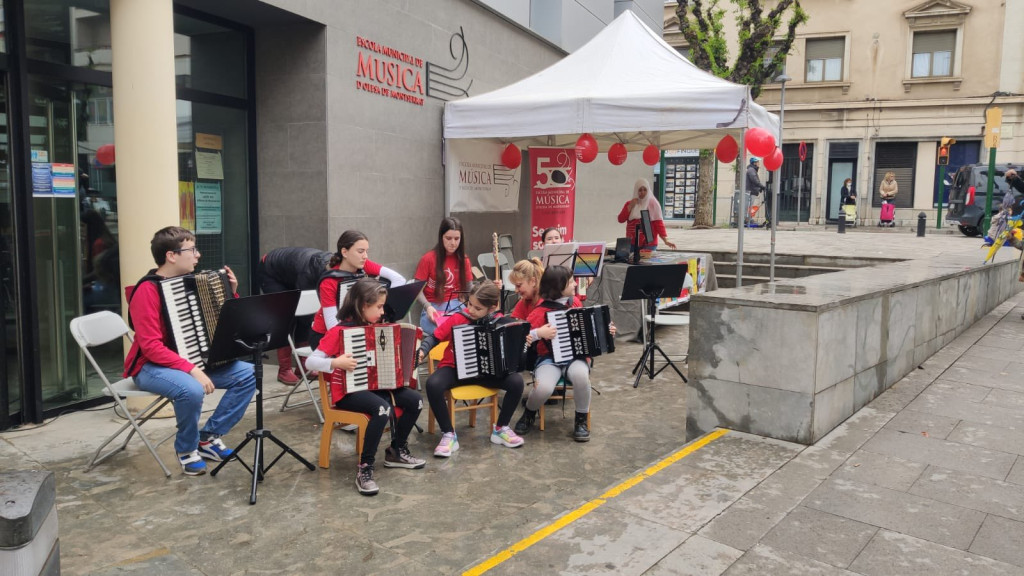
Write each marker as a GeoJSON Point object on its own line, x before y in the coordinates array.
{"type": "Point", "coordinates": [649, 283]}
{"type": "Point", "coordinates": [248, 326]}
{"type": "Point", "coordinates": [642, 366]}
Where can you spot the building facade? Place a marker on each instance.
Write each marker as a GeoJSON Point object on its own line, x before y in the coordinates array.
{"type": "Point", "coordinates": [874, 88]}
{"type": "Point", "coordinates": [257, 124]}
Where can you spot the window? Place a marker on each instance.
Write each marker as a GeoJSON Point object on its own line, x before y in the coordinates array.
{"type": "Point", "coordinates": [825, 59]}
{"type": "Point", "coordinates": [769, 54]}
{"type": "Point", "coordinates": [933, 53]}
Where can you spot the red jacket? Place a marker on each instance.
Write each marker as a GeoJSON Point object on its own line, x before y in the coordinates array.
{"type": "Point", "coordinates": [657, 226]}
{"type": "Point", "coordinates": [523, 308]}
{"type": "Point", "coordinates": [153, 341]}
{"type": "Point", "coordinates": [539, 317]}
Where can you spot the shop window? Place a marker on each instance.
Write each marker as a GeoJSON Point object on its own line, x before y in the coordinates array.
{"type": "Point", "coordinates": [933, 53]}
{"type": "Point", "coordinates": [825, 59]}
{"type": "Point", "coordinates": [70, 32]}
{"type": "Point", "coordinates": [209, 57]}
{"type": "Point", "coordinates": [900, 158]}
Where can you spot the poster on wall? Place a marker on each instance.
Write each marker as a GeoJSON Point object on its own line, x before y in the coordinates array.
{"type": "Point", "coordinates": [552, 192]}
{"type": "Point", "coordinates": [209, 165]}
{"type": "Point", "coordinates": [681, 179]}
{"type": "Point", "coordinates": [187, 205]}
{"type": "Point", "coordinates": [42, 180]}
{"type": "Point", "coordinates": [476, 179]}
{"type": "Point", "coordinates": [208, 208]}
{"type": "Point", "coordinates": [63, 180]}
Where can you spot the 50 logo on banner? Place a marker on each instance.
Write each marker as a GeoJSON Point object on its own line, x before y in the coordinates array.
{"type": "Point", "coordinates": [552, 192]}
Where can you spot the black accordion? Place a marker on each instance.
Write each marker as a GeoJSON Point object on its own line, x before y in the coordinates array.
{"type": "Point", "coordinates": [489, 349]}
{"type": "Point", "coordinates": [192, 303]}
{"type": "Point", "coordinates": [581, 333]}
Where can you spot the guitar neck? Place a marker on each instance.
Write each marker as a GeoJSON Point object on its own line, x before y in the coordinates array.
{"type": "Point", "coordinates": [494, 246]}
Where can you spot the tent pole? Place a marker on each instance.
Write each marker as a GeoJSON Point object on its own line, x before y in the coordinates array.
{"type": "Point", "coordinates": [741, 209]}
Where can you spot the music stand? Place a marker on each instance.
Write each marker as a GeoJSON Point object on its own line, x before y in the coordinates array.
{"type": "Point", "coordinates": [559, 255]}
{"type": "Point", "coordinates": [651, 282]}
{"type": "Point", "coordinates": [645, 227]}
{"type": "Point", "coordinates": [400, 299]}
{"type": "Point", "coordinates": [246, 327]}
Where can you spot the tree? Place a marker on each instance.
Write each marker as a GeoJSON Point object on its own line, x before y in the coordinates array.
{"type": "Point", "coordinates": [759, 59]}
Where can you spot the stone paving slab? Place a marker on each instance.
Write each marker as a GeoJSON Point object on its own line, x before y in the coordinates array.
{"type": "Point", "coordinates": [820, 536]}
{"type": "Point", "coordinates": [1001, 538]}
{"type": "Point", "coordinates": [894, 553]}
{"type": "Point", "coordinates": [994, 497]}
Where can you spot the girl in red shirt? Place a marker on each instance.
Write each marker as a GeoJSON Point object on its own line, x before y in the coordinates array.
{"type": "Point", "coordinates": [351, 261]}
{"type": "Point", "coordinates": [481, 306]}
{"type": "Point", "coordinates": [363, 306]}
{"type": "Point", "coordinates": [643, 199]}
{"type": "Point", "coordinates": [557, 287]}
{"type": "Point", "coordinates": [447, 273]}
{"type": "Point", "coordinates": [525, 277]}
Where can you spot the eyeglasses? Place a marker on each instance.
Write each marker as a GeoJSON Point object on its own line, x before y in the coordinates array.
{"type": "Point", "coordinates": [193, 249]}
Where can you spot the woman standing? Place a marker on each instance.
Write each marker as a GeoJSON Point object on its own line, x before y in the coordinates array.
{"type": "Point", "coordinates": [888, 188]}
{"type": "Point", "coordinates": [630, 214]}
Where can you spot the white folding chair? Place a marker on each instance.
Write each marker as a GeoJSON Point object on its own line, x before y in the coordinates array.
{"type": "Point", "coordinates": [309, 303]}
{"type": "Point", "coordinates": [95, 330]}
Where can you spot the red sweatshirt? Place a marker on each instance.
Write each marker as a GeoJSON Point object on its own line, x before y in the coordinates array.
{"type": "Point", "coordinates": [539, 317]}
{"type": "Point", "coordinates": [523, 308]}
{"type": "Point", "coordinates": [657, 226]}
{"type": "Point", "coordinates": [327, 290]}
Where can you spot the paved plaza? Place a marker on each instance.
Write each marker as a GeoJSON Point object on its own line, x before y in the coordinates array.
{"type": "Point", "coordinates": [927, 479]}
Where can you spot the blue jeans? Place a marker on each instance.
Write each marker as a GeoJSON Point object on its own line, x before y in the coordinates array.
{"type": "Point", "coordinates": [186, 393]}
{"type": "Point", "coordinates": [452, 306]}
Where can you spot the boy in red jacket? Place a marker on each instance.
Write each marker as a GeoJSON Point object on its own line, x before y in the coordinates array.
{"type": "Point", "coordinates": [158, 368]}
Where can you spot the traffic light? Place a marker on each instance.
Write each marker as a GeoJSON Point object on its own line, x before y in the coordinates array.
{"type": "Point", "coordinates": [944, 145]}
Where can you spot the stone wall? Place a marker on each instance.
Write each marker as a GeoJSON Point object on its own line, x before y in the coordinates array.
{"type": "Point", "coordinates": [794, 360]}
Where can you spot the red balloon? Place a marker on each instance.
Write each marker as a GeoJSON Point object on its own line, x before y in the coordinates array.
{"type": "Point", "coordinates": [105, 154]}
{"type": "Point", "coordinates": [727, 149]}
{"type": "Point", "coordinates": [773, 161]}
{"type": "Point", "coordinates": [760, 142]}
{"type": "Point", "coordinates": [586, 148]}
{"type": "Point", "coordinates": [511, 157]}
{"type": "Point", "coordinates": [617, 153]}
{"type": "Point", "coordinates": [652, 155]}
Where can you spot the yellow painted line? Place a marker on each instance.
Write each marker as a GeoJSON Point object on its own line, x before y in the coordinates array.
{"type": "Point", "coordinates": [594, 504]}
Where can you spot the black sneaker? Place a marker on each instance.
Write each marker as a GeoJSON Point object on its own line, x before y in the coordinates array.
{"type": "Point", "coordinates": [364, 480]}
{"type": "Point", "coordinates": [581, 432]}
{"type": "Point", "coordinates": [525, 421]}
{"type": "Point", "coordinates": [401, 458]}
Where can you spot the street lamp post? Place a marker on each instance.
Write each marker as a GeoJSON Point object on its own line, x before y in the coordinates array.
{"type": "Point", "coordinates": [782, 79]}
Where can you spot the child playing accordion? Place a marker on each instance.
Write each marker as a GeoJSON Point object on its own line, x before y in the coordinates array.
{"type": "Point", "coordinates": [364, 306]}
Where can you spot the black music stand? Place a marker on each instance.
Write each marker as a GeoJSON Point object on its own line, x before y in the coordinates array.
{"type": "Point", "coordinates": [400, 299]}
{"type": "Point", "coordinates": [246, 327]}
{"type": "Point", "coordinates": [651, 282]}
{"type": "Point", "coordinates": [645, 227]}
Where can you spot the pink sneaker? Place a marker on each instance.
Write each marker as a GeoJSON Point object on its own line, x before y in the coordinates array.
{"type": "Point", "coordinates": [506, 437]}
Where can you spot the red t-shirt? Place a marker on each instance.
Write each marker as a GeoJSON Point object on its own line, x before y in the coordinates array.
{"type": "Point", "coordinates": [153, 342]}
{"type": "Point", "coordinates": [327, 291]}
{"type": "Point", "coordinates": [539, 317]}
{"type": "Point", "coordinates": [426, 270]}
{"type": "Point", "coordinates": [657, 226]}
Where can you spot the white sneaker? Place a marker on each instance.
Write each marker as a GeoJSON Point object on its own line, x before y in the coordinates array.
{"type": "Point", "coordinates": [449, 443]}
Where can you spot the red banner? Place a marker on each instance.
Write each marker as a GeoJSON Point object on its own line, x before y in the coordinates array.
{"type": "Point", "coordinates": [552, 192]}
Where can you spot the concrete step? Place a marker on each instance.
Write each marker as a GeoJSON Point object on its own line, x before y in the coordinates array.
{"type": "Point", "coordinates": [800, 260]}
{"type": "Point", "coordinates": [781, 270]}
{"type": "Point", "coordinates": [729, 280]}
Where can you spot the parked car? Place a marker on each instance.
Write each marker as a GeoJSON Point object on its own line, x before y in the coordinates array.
{"type": "Point", "coordinates": [967, 195]}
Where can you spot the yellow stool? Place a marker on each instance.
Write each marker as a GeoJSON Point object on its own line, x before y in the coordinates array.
{"type": "Point", "coordinates": [472, 394]}
{"type": "Point", "coordinates": [334, 417]}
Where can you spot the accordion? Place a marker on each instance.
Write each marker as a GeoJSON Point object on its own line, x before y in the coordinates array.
{"type": "Point", "coordinates": [192, 303]}
{"type": "Point", "coordinates": [489, 350]}
{"type": "Point", "coordinates": [377, 349]}
{"type": "Point", "coordinates": [581, 333]}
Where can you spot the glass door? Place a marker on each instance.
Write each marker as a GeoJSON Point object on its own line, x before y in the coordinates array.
{"type": "Point", "coordinates": [75, 225]}
{"type": "Point", "coordinates": [10, 375]}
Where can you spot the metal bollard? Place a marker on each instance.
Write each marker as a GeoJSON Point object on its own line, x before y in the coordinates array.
{"type": "Point", "coordinates": [920, 224]}
{"type": "Point", "coordinates": [842, 223]}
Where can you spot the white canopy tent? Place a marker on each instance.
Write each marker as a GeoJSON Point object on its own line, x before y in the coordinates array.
{"type": "Point", "coordinates": [626, 85]}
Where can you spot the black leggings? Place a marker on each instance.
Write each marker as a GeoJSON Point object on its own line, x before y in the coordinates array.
{"type": "Point", "coordinates": [446, 378]}
{"type": "Point", "coordinates": [377, 404]}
